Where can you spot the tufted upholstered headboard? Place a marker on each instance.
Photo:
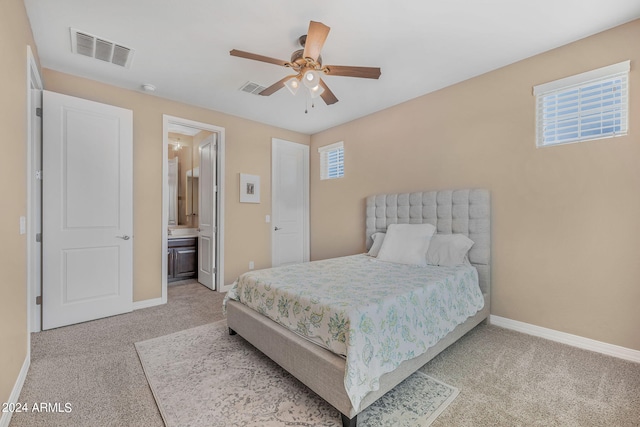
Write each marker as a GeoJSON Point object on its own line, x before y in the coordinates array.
{"type": "Point", "coordinates": [466, 212]}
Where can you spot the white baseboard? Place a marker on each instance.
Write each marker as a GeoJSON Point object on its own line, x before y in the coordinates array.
{"type": "Point", "coordinates": [15, 393]}
{"type": "Point", "coordinates": [565, 338]}
{"type": "Point", "coordinates": [137, 305]}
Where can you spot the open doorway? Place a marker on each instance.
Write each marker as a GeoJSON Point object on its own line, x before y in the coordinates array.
{"type": "Point", "coordinates": [192, 203]}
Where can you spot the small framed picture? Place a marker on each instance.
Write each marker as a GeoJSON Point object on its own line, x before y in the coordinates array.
{"type": "Point", "coordinates": [249, 188]}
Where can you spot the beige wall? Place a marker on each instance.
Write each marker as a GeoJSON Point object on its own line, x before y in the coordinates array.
{"type": "Point", "coordinates": [566, 219]}
{"type": "Point", "coordinates": [248, 149]}
{"type": "Point", "coordinates": [15, 35]}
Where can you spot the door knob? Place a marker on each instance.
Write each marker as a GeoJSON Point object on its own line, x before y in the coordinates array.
{"type": "Point", "coordinates": [277, 228]}
{"type": "Point", "coordinates": [125, 237]}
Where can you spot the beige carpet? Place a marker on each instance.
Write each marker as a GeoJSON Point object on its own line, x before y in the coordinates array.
{"type": "Point", "coordinates": [204, 377]}
{"type": "Point", "coordinates": [95, 367]}
{"type": "Point", "coordinates": [505, 378]}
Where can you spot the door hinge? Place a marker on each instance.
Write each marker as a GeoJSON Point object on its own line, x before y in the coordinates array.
{"type": "Point", "coordinates": [214, 270]}
{"type": "Point", "coordinates": [39, 175]}
{"type": "Point", "coordinates": [215, 229]}
{"type": "Point", "coordinates": [39, 112]}
{"type": "Point", "coordinates": [38, 237]}
{"type": "Point", "coordinates": [39, 300]}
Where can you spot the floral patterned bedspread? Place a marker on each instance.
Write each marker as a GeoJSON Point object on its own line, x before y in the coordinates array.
{"type": "Point", "coordinates": [377, 314]}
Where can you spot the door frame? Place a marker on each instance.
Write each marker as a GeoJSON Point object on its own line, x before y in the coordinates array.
{"type": "Point", "coordinates": [167, 120]}
{"type": "Point", "coordinates": [275, 142]}
{"type": "Point", "coordinates": [34, 281]}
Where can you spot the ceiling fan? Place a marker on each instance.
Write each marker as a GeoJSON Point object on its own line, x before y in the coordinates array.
{"type": "Point", "coordinates": [307, 63]}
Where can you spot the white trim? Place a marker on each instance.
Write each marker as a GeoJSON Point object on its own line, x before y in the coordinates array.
{"type": "Point", "coordinates": [15, 393]}
{"type": "Point", "coordinates": [146, 303]}
{"type": "Point", "coordinates": [568, 339]}
{"type": "Point", "coordinates": [33, 283]}
{"type": "Point", "coordinates": [620, 67]}
{"type": "Point", "coordinates": [220, 286]}
{"type": "Point", "coordinates": [220, 182]}
{"type": "Point", "coordinates": [339, 144]}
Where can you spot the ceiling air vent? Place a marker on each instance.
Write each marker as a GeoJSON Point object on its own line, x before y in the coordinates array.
{"type": "Point", "coordinates": [92, 46]}
{"type": "Point", "coordinates": [251, 87]}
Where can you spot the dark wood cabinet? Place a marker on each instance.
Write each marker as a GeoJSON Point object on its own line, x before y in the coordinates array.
{"type": "Point", "coordinates": [183, 259]}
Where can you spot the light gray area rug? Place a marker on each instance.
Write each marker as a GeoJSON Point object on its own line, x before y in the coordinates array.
{"type": "Point", "coordinates": [204, 377]}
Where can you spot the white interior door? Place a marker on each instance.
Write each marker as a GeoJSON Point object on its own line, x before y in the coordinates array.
{"type": "Point", "coordinates": [34, 190]}
{"type": "Point", "coordinates": [207, 212]}
{"type": "Point", "coordinates": [87, 210]}
{"type": "Point", "coordinates": [36, 207]}
{"type": "Point", "coordinates": [289, 202]}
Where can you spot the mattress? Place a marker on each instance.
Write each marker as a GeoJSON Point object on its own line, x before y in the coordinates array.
{"type": "Point", "coordinates": [376, 314]}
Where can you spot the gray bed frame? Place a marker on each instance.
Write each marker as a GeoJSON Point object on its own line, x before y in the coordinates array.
{"type": "Point", "coordinates": [452, 211]}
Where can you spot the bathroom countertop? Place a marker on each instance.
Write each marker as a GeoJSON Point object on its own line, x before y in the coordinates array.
{"type": "Point", "coordinates": [181, 236]}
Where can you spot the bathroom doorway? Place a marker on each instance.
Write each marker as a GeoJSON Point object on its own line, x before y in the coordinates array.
{"type": "Point", "coordinates": [192, 203]}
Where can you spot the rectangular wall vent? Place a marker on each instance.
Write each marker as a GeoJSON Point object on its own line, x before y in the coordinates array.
{"type": "Point", "coordinates": [105, 50]}
{"type": "Point", "coordinates": [251, 87]}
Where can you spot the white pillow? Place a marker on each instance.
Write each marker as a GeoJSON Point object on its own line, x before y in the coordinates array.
{"type": "Point", "coordinates": [378, 238]}
{"type": "Point", "coordinates": [406, 243]}
{"type": "Point", "coordinates": [448, 249]}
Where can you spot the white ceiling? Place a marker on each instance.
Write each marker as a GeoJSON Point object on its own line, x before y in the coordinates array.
{"type": "Point", "coordinates": [182, 47]}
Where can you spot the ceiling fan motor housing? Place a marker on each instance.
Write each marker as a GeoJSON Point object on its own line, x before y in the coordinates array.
{"type": "Point", "coordinates": [297, 58]}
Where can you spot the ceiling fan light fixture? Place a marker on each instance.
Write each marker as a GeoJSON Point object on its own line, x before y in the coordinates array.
{"type": "Point", "coordinates": [311, 79]}
{"type": "Point", "coordinates": [292, 84]}
{"type": "Point", "coordinates": [316, 91]}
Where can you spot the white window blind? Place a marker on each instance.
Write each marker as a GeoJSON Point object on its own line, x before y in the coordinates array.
{"type": "Point", "coordinates": [332, 161]}
{"type": "Point", "coordinates": [583, 107]}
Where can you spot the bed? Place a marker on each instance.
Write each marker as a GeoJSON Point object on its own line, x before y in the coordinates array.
{"type": "Point", "coordinates": [326, 365]}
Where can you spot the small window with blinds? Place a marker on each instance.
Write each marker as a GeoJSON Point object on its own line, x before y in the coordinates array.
{"type": "Point", "coordinates": [584, 107]}
{"type": "Point", "coordinates": [332, 161]}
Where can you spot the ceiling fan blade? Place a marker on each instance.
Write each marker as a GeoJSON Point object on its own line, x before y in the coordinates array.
{"type": "Point", "coordinates": [256, 57]}
{"type": "Point", "coordinates": [346, 71]}
{"type": "Point", "coordinates": [275, 87]}
{"type": "Point", "coordinates": [327, 96]}
{"type": "Point", "coordinates": [316, 37]}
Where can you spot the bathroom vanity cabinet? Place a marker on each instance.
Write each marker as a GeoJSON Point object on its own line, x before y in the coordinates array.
{"type": "Point", "coordinates": [183, 258]}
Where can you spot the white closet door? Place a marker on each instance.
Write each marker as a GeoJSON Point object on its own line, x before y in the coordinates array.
{"type": "Point", "coordinates": [289, 202]}
{"type": "Point", "coordinates": [87, 210]}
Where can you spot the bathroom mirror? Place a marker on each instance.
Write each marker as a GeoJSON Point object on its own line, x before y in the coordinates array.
{"type": "Point", "coordinates": [183, 161]}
